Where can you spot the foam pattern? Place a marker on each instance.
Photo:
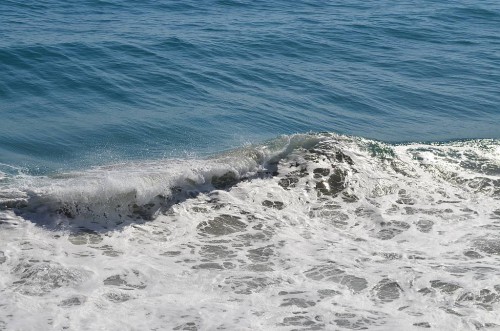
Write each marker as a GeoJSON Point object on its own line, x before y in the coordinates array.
{"type": "Point", "coordinates": [306, 232]}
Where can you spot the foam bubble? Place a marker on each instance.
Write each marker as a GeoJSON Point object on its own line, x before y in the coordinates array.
{"type": "Point", "coordinates": [310, 232]}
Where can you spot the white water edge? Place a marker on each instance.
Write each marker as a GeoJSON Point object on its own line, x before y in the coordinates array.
{"type": "Point", "coordinates": [308, 232]}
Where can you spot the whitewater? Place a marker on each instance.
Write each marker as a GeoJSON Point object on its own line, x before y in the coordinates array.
{"type": "Point", "coordinates": [303, 232]}
{"type": "Point", "coordinates": [249, 165]}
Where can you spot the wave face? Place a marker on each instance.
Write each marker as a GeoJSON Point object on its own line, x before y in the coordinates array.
{"type": "Point", "coordinates": [309, 232]}
{"type": "Point", "coordinates": [118, 209]}
{"type": "Point", "coordinates": [97, 82]}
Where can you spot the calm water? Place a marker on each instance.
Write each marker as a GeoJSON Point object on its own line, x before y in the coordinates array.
{"type": "Point", "coordinates": [96, 82]}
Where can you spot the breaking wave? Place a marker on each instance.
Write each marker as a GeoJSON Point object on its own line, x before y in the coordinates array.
{"type": "Point", "coordinates": [311, 231]}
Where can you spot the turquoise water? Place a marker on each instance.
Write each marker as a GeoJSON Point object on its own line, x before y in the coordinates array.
{"type": "Point", "coordinates": [86, 83]}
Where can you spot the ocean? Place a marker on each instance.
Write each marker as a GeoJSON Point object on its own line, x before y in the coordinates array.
{"type": "Point", "coordinates": [249, 165]}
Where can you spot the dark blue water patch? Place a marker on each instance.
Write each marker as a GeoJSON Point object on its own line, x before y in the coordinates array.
{"type": "Point", "coordinates": [82, 80]}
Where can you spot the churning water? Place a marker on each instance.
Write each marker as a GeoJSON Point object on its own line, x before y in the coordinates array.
{"type": "Point", "coordinates": [200, 165]}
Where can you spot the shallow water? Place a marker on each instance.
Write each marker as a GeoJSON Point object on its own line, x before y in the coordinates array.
{"type": "Point", "coordinates": [309, 232]}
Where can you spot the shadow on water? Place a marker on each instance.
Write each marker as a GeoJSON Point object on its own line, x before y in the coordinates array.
{"type": "Point", "coordinates": [88, 219]}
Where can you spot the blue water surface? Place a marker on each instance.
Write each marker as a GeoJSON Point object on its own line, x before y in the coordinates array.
{"type": "Point", "coordinates": [93, 82]}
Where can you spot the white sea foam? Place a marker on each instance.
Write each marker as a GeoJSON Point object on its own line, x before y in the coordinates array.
{"type": "Point", "coordinates": [310, 232]}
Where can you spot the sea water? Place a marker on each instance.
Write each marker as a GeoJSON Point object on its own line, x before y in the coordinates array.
{"type": "Point", "coordinates": [249, 165]}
